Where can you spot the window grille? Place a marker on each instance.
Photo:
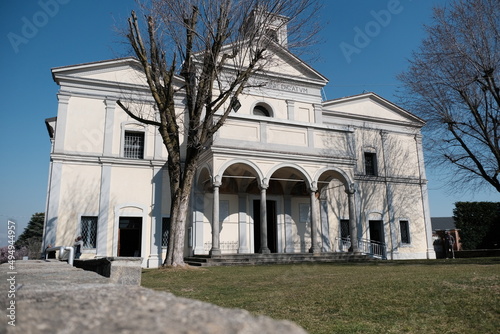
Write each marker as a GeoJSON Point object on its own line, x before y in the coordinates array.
{"type": "Point", "coordinates": [405, 231]}
{"type": "Point", "coordinates": [370, 164]}
{"type": "Point", "coordinates": [89, 231]}
{"type": "Point", "coordinates": [344, 228]}
{"type": "Point", "coordinates": [165, 231]}
{"type": "Point", "coordinates": [133, 147]}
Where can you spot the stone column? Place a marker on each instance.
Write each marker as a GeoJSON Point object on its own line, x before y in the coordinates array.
{"type": "Point", "coordinates": [353, 224]}
{"type": "Point", "coordinates": [215, 221]}
{"type": "Point", "coordinates": [314, 223]}
{"type": "Point", "coordinates": [264, 249]}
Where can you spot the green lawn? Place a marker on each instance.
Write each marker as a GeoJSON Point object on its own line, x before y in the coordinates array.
{"type": "Point", "coordinates": [439, 296]}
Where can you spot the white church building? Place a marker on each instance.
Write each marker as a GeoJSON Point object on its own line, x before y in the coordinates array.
{"type": "Point", "coordinates": [317, 176]}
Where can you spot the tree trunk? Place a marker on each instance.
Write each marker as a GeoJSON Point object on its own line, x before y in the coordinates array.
{"type": "Point", "coordinates": [180, 212]}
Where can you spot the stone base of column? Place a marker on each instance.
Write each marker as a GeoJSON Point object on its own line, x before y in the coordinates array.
{"type": "Point", "coordinates": [243, 250]}
{"type": "Point", "coordinates": [154, 261]}
{"type": "Point", "coordinates": [214, 251]}
{"type": "Point", "coordinates": [265, 251]}
{"type": "Point", "coordinates": [431, 254]}
{"type": "Point", "coordinates": [314, 250]}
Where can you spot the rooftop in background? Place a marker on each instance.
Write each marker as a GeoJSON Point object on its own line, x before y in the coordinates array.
{"type": "Point", "coordinates": [442, 223]}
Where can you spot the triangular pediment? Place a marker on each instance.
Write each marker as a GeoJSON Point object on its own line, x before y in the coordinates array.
{"type": "Point", "coordinates": [371, 107]}
{"type": "Point", "coordinates": [281, 65]}
{"type": "Point", "coordinates": [286, 64]}
{"type": "Point", "coordinates": [124, 70]}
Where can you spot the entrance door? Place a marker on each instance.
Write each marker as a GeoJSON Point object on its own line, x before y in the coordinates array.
{"type": "Point", "coordinates": [377, 238]}
{"type": "Point", "coordinates": [272, 240]}
{"type": "Point", "coordinates": [130, 236]}
{"type": "Point", "coordinates": [376, 231]}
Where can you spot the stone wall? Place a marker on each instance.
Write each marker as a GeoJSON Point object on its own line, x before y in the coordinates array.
{"type": "Point", "coordinates": [54, 297]}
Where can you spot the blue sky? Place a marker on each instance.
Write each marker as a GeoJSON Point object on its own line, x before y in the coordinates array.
{"type": "Point", "coordinates": [39, 35]}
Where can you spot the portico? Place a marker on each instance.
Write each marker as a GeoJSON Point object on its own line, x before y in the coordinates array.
{"type": "Point", "coordinates": [267, 206]}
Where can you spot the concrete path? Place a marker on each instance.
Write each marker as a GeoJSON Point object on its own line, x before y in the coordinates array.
{"type": "Point", "coordinates": [53, 297]}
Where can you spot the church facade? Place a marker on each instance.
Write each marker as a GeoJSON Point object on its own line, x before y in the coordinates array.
{"type": "Point", "coordinates": [287, 173]}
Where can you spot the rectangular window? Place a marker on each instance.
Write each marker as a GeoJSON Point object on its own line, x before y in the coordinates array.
{"type": "Point", "coordinates": [165, 231]}
{"type": "Point", "coordinates": [370, 164]}
{"type": "Point", "coordinates": [404, 228]}
{"type": "Point", "coordinates": [88, 230]}
{"type": "Point", "coordinates": [133, 147]}
{"type": "Point", "coordinates": [344, 228]}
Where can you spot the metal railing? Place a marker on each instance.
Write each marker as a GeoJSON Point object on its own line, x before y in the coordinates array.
{"type": "Point", "coordinates": [62, 250]}
{"type": "Point", "coordinates": [343, 244]}
{"type": "Point", "coordinates": [373, 248]}
{"type": "Point", "coordinates": [368, 247]}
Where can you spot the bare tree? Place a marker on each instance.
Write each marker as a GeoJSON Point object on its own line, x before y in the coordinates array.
{"type": "Point", "coordinates": [205, 52]}
{"type": "Point", "coordinates": [453, 83]}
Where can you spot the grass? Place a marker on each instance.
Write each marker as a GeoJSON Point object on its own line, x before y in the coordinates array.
{"type": "Point", "coordinates": [438, 296]}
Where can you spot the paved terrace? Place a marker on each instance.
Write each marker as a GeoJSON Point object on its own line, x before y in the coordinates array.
{"type": "Point", "coordinates": [54, 297]}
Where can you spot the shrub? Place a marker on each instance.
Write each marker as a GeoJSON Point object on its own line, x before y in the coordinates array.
{"type": "Point", "coordinates": [479, 223]}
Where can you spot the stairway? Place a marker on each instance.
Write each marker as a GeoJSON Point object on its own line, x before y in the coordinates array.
{"type": "Point", "coordinates": [275, 258]}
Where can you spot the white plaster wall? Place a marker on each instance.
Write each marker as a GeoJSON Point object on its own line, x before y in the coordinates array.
{"type": "Point", "coordinates": [229, 231]}
{"type": "Point", "coordinates": [301, 230]}
{"type": "Point", "coordinates": [79, 197]}
{"type": "Point", "coordinates": [85, 126]}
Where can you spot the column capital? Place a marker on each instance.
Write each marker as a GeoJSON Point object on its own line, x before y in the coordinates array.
{"type": "Point", "coordinates": [63, 97]}
{"type": "Point", "coordinates": [109, 102]}
{"type": "Point", "coordinates": [216, 181]}
{"type": "Point", "coordinates": [313, 186]}
{"type": "Point", "coordinates": [383, 134]}
{"type": "Point", "coordinates": [264, 184]}
{"type": "Point", "coordinates": [350, 188]}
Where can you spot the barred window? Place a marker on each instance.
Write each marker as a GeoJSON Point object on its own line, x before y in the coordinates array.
{"type": "Point", "coordinates": [165, 231]}
{"type": "Point", "coordinates": [344, 228]}
{"type": "Point", "coordinates": [89, 231]}
{"type": "Point", "coordinates": [405, 231]}
{"type": "Point", "coordinates": [133, 147]}
{"type": "Point", "coordinates": [370, 164]}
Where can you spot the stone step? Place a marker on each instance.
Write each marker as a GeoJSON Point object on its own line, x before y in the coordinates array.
{"type": "Point", "coordinates": [281, 258]}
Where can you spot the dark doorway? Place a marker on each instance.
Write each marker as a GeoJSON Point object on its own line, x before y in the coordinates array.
{"type": "Point", "coordinates": [129, 236]}
{"type": "Point", "coordinates": [272, 240]}
{"type": "Point", "coordinates": [376, 231]}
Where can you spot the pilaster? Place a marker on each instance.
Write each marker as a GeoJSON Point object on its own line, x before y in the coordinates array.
{"type": "Point", "coordinates": [103, 218]}
{"type": "Point", "coordinates": [62, 117]}
{"type": "Point", "coordinates": [154, 259]}
{"type": "Point", "coordinates": [242, 224]}
{"type": "Point", "coordinates": [108, 126]}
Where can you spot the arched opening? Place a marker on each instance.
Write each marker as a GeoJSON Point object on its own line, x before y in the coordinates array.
{"type": "Point", "coordinates": [262, 109]}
